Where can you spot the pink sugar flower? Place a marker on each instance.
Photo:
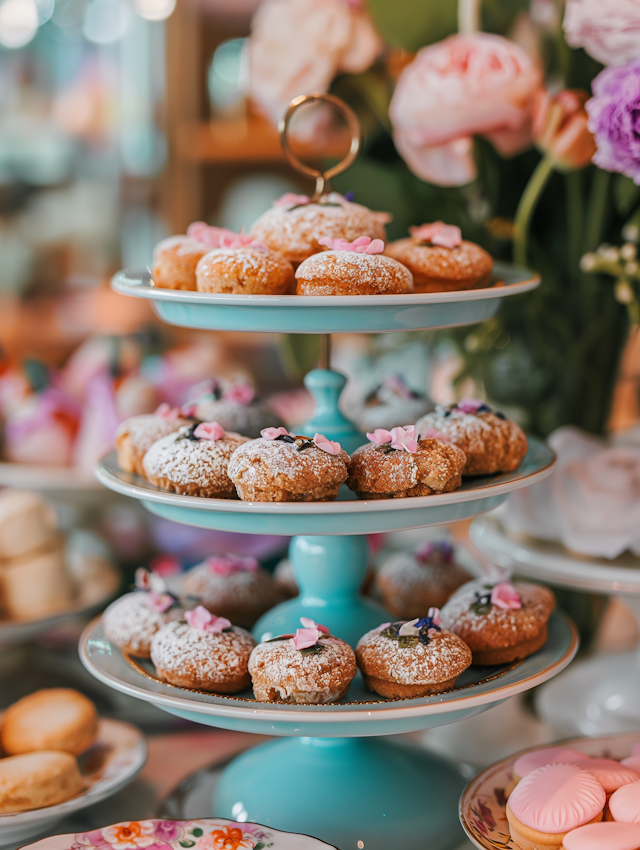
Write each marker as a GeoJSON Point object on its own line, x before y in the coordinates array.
{"type": "Point", "coordinates": [274, 433]}
{"type": "Point", "coordinates": [209, 431]}
{"type": "Point", "coordinates": [226, 565]}
{"type": "Point", "coordinates": [380, 436]}
{"type": "Point", "coordinates": [241, 240]}
{"type": "Point", "coordinates": [290, 199]}
{"type": "Point", "coordinates": [404, 438]}
{"type": "Point", "coordinates": [361, 245]}
{"type": "Point", "coordinates": [305, 638]}
{"type": "Point", "coordinates": [434, 615]}
{"type": "Point", "coordinates": [469, 405]}
{"type": "Point", "coordinates": [207, 234]}
{"type": "Point", "coordinates": [434, 434]}
{"type": "Point", "coordinates": [240, 393]}
{"type": "Point", "coordinates": [438, 233]}
{"type": "Point", "coordinates": [199, 618]}
{"type": "Point", "coordinates": [189, 409]}
{"type": "Point", "coordinates": [504, 596]}
{"type": "Point", "coordinates": [159, 602]}
{"type": "Point", "coordinates": [383, 626]}
{"type": "Point", "coordinates": [167, 412]}
{"type": "Point", "coordinates": [329, 446]}
{"type": "Point", "coordinates": [310, 624]}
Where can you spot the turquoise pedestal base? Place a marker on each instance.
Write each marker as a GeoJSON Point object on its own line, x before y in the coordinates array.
{"type": "Point", "coordinates": [357, 794]}
{"type": "Point", "coordinates": [325, 386]}
{"type": "Point", "coordinates": [329, 571]}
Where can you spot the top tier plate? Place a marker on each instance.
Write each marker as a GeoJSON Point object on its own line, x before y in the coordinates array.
{"type": "Point", "coordinates": [327, 314]}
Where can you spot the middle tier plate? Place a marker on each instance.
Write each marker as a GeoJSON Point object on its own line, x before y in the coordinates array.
{"type": "Point", "coordinates": [327, 314]}
{"type": "Point", "coordinates": [344, 516]}
{"type": "Point", "coordinates": [361, 714]}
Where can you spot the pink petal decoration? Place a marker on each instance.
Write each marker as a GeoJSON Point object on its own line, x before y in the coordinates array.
{"type": "Point", "coordinates": [207, 234]}
{"type": "Point", "coordinates": [361, 245]}
{"type": "Point", "coordinates": [209, 431]}
{"type": "Point", "coordinates": [409, 628]}
{"type": "Point", "coordinates": [383, 626]}
{"type": "Point", "coordinates": [290, 199]}
{"type": "Point", "coordinates": [240, 393]}
{"type": "Point", "coordinates": [226, 565]}
{"type": "Point", "coordinates": [402, 439]}
{"type": "Point", "coordinates": [434, 434]}
{"type": "Point", "coordinates": [159, 602]}
{"type": "Point", "coordinates": [504, 596]}
{"type": "Point", "coordinates": [274, 433]}
{"type": "Point", "coordinates": [310, 624]}
{"type": "Point", "coordinates": [329, 446]}
{"type": "Point", "coordinates": [469, 405]}
{"type": "Point", "coordinates": [199, 618]}
{"type": "Point", "coordinates": [188, 409]}
{"type": "Point", "coordinates": [304, 638]}
{"type": "Point", "coordinates": [241, 240]}
{"type": "Point", "coordinates": [438, 233]}
{"type": "Point", "coordinates": [380, 436]}
{"type": "Point", "coordinates": [167, 412]}
{"type": "Point", "coordinates": [434, 614]}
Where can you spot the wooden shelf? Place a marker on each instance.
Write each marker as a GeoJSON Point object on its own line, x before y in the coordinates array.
{"type": "Point", "coordinates": [247, 139]}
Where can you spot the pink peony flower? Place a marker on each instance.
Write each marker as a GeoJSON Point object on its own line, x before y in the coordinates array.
{"type": "Point", "coordinates": [310, 624]}
{"type": "Point", "coordinates": [290, 199]}
{"type": "Point", "coordinates": [380, 436]}
{"type": "Point", "coordinates": [614, 119]}
{"type": "Point", "coordinates": [329, 446]}
{"type": "Point", "coordinates": [404, 438]}
{"type": "Point", "coordinates": [274, 433]}
{"type": "Point", "coordinates": [209, 431]}
{"type": "Point", "coordinates": [305, 638]}
{"type": "Point", "coordinates": [240, 393]}
{"type": "Point", "coordinates": [438, 233]}
{"type": "Point", "coordinates": [159, 602]}
{"type": "Point", "coordinates": [361, 245]}
{"type": "Point", "coordinates": [199, 618]}
{"type": "Point", "coordinates": [167, 412]}
{"type": "Point", "coordinates": [466, 85]}
{"type": "Point", "coordinates": [434, 434]}
{"type": "Point", "coordinates": [560, 128]}
{"type": "Point", "coordinates": [226, 565]}
{"type": "Point", "coordinates": [609, 30]}
{"type": "Point", "coordinates": [208, 234]}
{"type": "Point", "coordinates": [298, 46]}
{"type": "Point", "coordinates": [504, 596]}
{"type": "Point", "coordinates": [470, 405]}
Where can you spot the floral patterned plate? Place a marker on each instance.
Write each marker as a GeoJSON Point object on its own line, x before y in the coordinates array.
{"type": "Point", "coordinates": [202, 834]}
{"type": "Point", "coordinates": [483, 802]}
{"type": "Point", "coordinates": [114, 760]}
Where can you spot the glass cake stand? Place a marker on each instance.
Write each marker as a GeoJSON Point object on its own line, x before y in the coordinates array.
{"type": "Point", "coordinates": [599, 696]}
{"type": "Point", "coordinates": [333, 773]}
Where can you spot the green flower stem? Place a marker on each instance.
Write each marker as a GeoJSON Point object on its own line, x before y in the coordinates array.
{"type": "Point", "coordinates": [575, 206]}
{"type": "Point", "coordinates": [526, 207]}
{"type": "Point", "coordinates": [597, 209]}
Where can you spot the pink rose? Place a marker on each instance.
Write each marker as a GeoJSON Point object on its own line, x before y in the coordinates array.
{"type": "Point", "coordinates": [438, 233]}
{"type": "Point", "coordinates": [305, 638]}
{"type": "Point", "coordinates": [309, 624]}
{"type": "Point", "coordinates": [167, 412]}
{"type": "Point", "coordinates": [329, 446]}
{"type": "Point", "coordinates": [404, 438]}
{"type": "Point", "coordinates": [274, 433]}
{"type": "Point", "coordinates": [609, 30]}
{"type": "Point", "coordinates": [159, 602]}
{"type": "Point", "coordinates": [240, 394]}
{"type": "Point", "coordinates": [434, 434]}
{"type": "Point", "coordinates": [290, 199]}
{"type": "Point", "coordinates": [226, 565]}
{"type": "Point", "coordinates": [361, 245]}
{"type": "Point", "coordinates": [298, 46]}
{"type": "Point", "coordinates": [209, 431]}
{"type": "Point", "coordinates": [203, 621]}
{"type": "Point", "coordinates": [504, 596]}
{"type": "Point", "coordinates": [380, 436]}
{"type": "Point", "coordinates": [466, 85]}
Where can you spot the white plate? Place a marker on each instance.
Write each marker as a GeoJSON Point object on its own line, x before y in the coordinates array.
{"type": "Point", "coordinates": [114, 760]}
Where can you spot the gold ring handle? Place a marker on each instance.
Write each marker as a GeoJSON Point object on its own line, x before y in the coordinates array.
{"type": "Point", "coordinates": [322, 177]}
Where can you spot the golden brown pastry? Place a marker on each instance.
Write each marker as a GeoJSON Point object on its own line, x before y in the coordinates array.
{"type": "Point", "coordinates": [135, 436]}
{"type": "Point", "coordinates": [245, 267]}
{"type": "Point", "coordinates": [175, 260]}
{"type": "Point", "coordinates": [36, 780]}
{"type": "Point", "coordinates": [50, 719]}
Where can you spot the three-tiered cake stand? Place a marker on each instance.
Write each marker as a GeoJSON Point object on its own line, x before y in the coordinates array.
{"type": "Point", "coordinates": [331, 774]}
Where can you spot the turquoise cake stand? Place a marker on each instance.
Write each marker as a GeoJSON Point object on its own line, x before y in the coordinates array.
{"type": "Point", "coordinates": [334, 773]}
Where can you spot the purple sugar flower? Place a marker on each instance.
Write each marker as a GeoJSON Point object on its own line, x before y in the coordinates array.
{"type": "Point", "coordinates": [614, 119]}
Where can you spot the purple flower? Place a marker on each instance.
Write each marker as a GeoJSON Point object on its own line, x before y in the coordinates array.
{"type": "Point", "coordinates": [614, 119]}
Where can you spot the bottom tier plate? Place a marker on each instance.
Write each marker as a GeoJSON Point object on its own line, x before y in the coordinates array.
{"type": "Point", "coordinates": [363, 714]}
{"type": "Point", "coordinates": [483, 802]}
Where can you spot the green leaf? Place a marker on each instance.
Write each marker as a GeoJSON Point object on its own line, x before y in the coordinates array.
{"type": "Point", "coordinates": [197, 832]}
{"type": "Point", "coordinates": [480, 608]}
{"type": "Point", "coordinates": [410, 24]}
{"type": "Point", "coordinates": [186, 843]}
{"type": "Point", "coordinates": [299, 353]}
{"type": "Point", "coordinates": [406, 641]}
{"type": "Point", "coordinates": [316, 649]}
